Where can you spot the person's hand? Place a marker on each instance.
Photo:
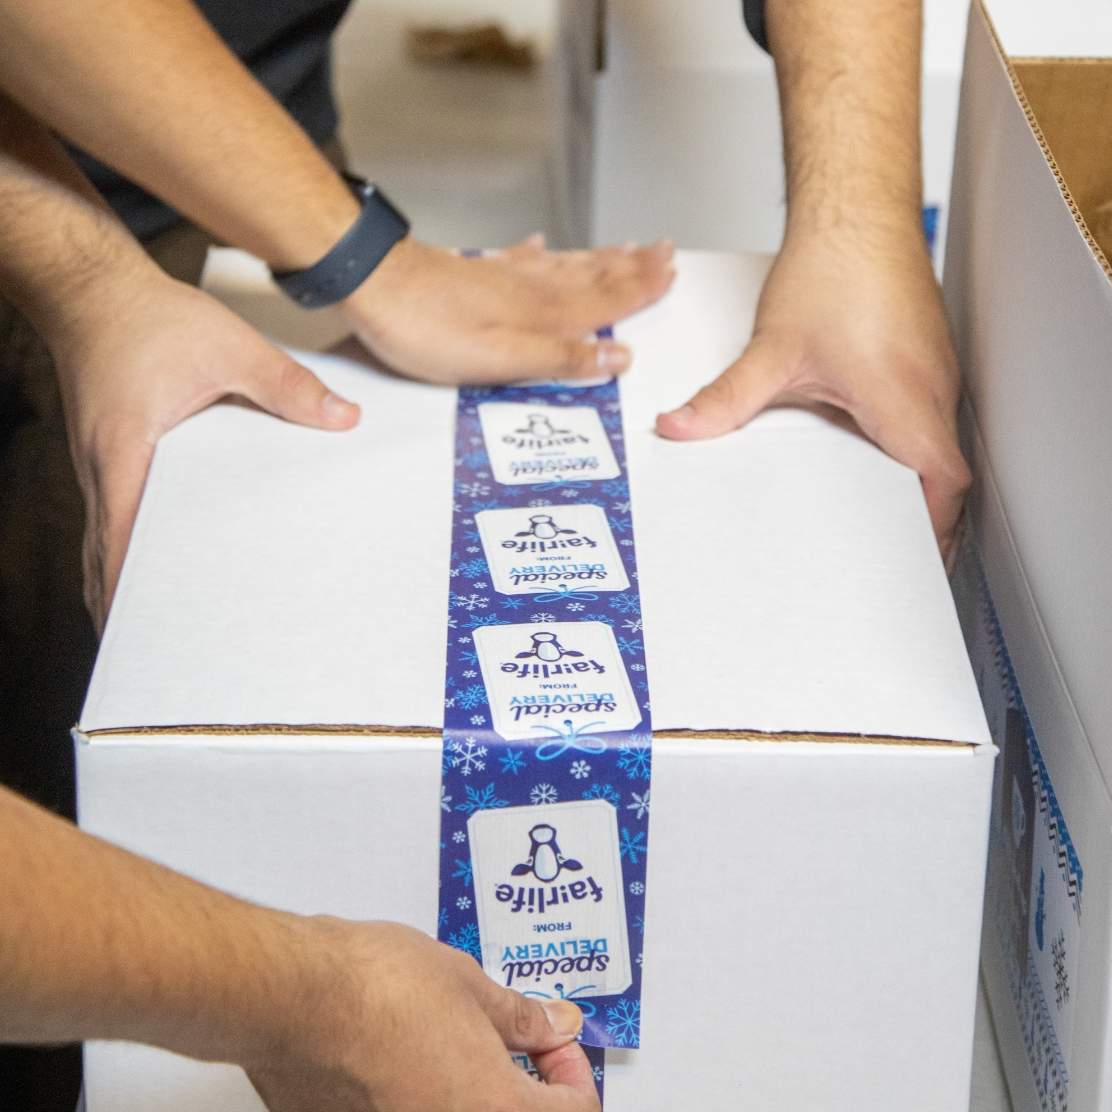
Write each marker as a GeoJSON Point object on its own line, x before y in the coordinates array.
{"type": "Point", "coordinates": [137, 354]}
{"type": "Point", "coordinates": [521, 313]}
{"type": "Point", "coordinates": [387, 1020]}
{"type": "Point", "coordinates": [851, 317]}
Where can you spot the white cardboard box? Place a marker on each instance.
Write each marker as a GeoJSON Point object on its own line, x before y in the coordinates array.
{"type": "Point", "coordinates": [266, 707]}
{"type": "Point", "coordinates": [1029, 293]}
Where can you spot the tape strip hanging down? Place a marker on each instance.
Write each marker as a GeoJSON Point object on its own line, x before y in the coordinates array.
{"type": "Point", "coordinates": [547, 732]}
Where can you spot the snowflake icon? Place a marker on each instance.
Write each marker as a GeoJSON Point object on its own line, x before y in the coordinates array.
{"type": "Point", "coordinates": [471, 602]}
{"type": "Point", "coordinates": [473, 569]}
{"type": "Point", "coordinates": [543, 616]}
{"type": "Point", "coordinates": [597, 1073]}
{"type": "Point", "coordinates": [569, 492]}
{"type": "Point", "coordinates": [623, 1022]}
{"type": "Point", "coordinates": [463, 903]}
{"type": "Point", "coordinates": [637, 667]}
{"type": "Point", "coordinates": [473, 489]}
{"type": "Point", "coordinates": [472, 697]}
{"type": "Point", "coordinates": [512, 761]}
{"type": "Point", "coordinates": [445, 798]}
{"type": "Point", "coordinates": [463, 871]}
{"type": "Point", "coordinates": [542, 793]}
{"type": "Point", "coordinates": [636, 888]}
{"type": "Point", "coordinates": [575, 607]}
{"type": "Point", "coordinates": [635, 758]}
{"type": "Point", "coordinates": [640, 804]}
{"type": "Point", "coordinates": [467, 940]}
{"type": "Point", "coordinates": [628, 645]}
{"type": "Point", "coordinates": [634, 626]}
{"type": "Point", "coordinates": [625, 603]}
{"type": "Point", "coordinates": [469, 674]}
{"type": "Point", "coordinates": [467, 755]}
{"type": "Point", "coordinates": [580, 770]}
{"type": "Point", "coordinates": [481, 800]}
{"type": "Point", "coordinates": [511, 603]}
{"type": "Point", "coordinates": [459, 836]}
{"type": "Point", "coordinates": [632, 846]}
{"type": "Point", "coordinates": [478, 719]}
{"type": "Point", "coordinates": [539, 503]}
{"type": "Point", "coordinates": [477, 621]}
{"type": "Point", "coordinates": [602, 791]}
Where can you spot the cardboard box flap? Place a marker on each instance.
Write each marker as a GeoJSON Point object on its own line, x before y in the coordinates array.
{"type": "Point", "coordinates": [1070, 100]}
{"type": "Point", "coordinates": [788, 575]}
{"type": "Point", "coordinates": [1030, 302]}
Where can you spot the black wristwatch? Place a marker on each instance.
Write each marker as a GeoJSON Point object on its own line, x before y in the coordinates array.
{"type": "Point", "coordinates": [347, 266]}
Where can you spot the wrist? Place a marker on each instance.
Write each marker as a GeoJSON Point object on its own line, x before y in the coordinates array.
{"type": "Point", "coordinates": [72, 310]}
{"type": "Point", "coordinates": [306, 1010]}
{"type": "Point", "coordinates": [301, 243]}
{"type": "Point", "coordinates": [873, 230]}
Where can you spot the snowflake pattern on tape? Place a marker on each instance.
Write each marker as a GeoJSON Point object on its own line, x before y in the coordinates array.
{"type": "Point", "coordinates": [568, 760]}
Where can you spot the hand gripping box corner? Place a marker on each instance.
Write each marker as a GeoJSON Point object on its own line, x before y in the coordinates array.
{"type": "Point", "coordinates": [266, 711]}
{"type": "Point", "coordinates": [1029, 292]}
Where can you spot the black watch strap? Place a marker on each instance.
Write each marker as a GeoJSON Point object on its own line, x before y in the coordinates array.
{"type": "Point", "coordinates": [378, 228]}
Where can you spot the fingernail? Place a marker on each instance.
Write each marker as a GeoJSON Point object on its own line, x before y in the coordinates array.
{"type": "Point", "coordinates": [563, 1017]}
{"type": "Point", "coordinates": [664, 248]}
{"type": "Point", "coordinates": [612, 357]}
{"type": "Point", "coordinates": [683, 416]}
{"type": "Point", "coordinates": [629, 247]}
{"type": "Point", "coordinates": [336, 408]}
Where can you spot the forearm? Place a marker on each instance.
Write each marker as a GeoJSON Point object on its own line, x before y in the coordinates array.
{"type": "Point", "coordinates": [98, 943]}
{"type": "Point", "coordinates": [148, 87]}
{"type": "Point", "coordinates": [849, 77]}
{"type": "Point", "coordinates": [58, 241]}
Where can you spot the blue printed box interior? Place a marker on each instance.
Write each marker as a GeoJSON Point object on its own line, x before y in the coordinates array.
{"type": "Point", "coordinates": [685, 733]}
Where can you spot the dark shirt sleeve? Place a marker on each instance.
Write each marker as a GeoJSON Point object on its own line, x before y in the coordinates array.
{"type": "Point", "coordinates": [755, 20]}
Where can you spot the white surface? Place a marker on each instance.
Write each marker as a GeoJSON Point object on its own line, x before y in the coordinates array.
{"type": "Point", "coordinates": [835, 973]}
{"type": "Point", "coordinates": [814, 543]}
{"type": "Point", "coordinates": [1032, 316]}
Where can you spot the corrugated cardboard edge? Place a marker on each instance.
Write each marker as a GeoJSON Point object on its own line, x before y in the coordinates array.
{"type": "Point", "coordinates": [271, 729]}
{"type": "Point", "coordinates": [1040, 138]}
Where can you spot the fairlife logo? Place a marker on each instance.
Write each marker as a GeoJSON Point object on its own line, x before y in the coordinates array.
{"type": "Point", "coordinates": [546, 863]}
{"type": "Point", "coordinates": [551, 659]}
{"type": "Point", "coordinates": [539, 433]}
{"type": "Point", "coordinates": [544, 535]}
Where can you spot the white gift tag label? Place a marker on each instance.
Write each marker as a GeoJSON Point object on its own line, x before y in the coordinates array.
{"type": "Point", "coordinates": [545, 443]}
{"type": "Point", "coordinates": [549, 898]}
{"type": "Point", "coordinates": [552, 548]}
{"type": "Point", "coordinates": [546, 679]}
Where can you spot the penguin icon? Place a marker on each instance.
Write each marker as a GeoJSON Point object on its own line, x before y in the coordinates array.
{"type": "Point", "coordinates": [545, 862]}
{"type": "Point", "coordinates": [540, 426]}
{"type": "Point", "coordinates": [547, 648]}
{"type": "Point", "coordinates": [543, 528]}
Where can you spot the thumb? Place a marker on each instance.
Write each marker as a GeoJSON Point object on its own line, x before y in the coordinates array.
{"type": "Point", "coordinates": [731, 400]}
{"type": "Point", "coordinates": [529, 1026]}
{"type": "Point", "coordinates": [282, 386]}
